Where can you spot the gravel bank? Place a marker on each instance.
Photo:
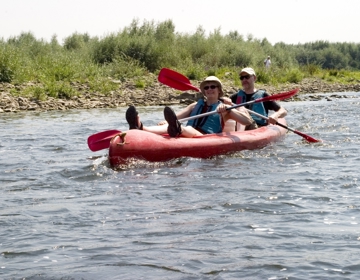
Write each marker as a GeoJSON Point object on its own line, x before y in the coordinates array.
{"type": "Point", "coordinates": [155, 95]}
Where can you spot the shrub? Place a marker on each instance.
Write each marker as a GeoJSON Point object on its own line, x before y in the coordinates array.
{"type": "Point", "coordinates": [139, 83]}
{"type": "Point", "coordinates": [7, 56]}
{"type": "Point", "coordinates": [293, 76]}
{"type": "Point", "coordinates": [59, 89]}
{"type": "Point", "coordinates": [311, 69]}
{"type": "Point", "coordinates": [6, 74]}
{"type": "Point", "coordinates": [123, 67]}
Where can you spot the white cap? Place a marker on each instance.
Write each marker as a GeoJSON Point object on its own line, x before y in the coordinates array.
{"type": "Point", "coordinates": [248, 70]}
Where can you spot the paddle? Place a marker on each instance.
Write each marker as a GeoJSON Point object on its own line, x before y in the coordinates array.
{"type": "Point", "coordinates": [101, 140]}
{"type": "Point", "coordinates": [180, 82]}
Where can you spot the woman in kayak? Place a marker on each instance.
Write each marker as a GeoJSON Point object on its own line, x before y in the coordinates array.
{"type": "Point", "coordinates": [212, 90]}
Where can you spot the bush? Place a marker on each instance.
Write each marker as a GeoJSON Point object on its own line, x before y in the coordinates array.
{"type": "Point", "coordinates": [311, 69]}
{"type": "Point", "coordinates": [59, 89]}
{"type": "Point", "coordinates": [293, 76]}
{"type": "Point", "coordinates": [6, 74]}
{"type": "Point", "coordinates": [7, 61]}
{"type": "Point", "coordinates": [123, 67]}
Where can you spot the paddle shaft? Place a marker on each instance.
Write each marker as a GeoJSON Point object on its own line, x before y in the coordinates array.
{"type": "Point", "coordinates": [229, 108]}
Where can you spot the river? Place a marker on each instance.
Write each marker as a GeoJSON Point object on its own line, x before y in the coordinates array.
{"type": "Point", "coordinates": [288, 211]}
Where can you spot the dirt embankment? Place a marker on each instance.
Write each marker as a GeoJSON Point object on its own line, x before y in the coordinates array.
{"type": "Point", "coordinates": [156, 95]}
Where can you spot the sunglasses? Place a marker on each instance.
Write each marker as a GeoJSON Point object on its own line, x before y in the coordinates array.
{"type": "Point", "coordinates": [212, 87]}
{"type": "Point", "coordinates": [247, 77]}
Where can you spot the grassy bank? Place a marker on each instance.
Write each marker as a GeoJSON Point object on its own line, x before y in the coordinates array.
{"type": "Point", "coordinates": [139, 51]}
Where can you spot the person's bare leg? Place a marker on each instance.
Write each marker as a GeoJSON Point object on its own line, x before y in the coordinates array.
{"type": "Point", "coordinates": [157, 129]}
{"type": "Point", "coordinates": [189, 132]}
{"type": "Point", "coordinates": [186, 131]}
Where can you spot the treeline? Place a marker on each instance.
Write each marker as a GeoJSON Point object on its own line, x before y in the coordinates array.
{"type": "Point", "coordinates": [147, 47]}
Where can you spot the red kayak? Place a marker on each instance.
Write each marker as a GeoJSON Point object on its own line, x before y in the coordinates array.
{"type": "Point", "coordinates": [139, 144]}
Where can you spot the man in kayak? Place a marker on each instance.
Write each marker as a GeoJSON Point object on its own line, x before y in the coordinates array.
{"type": "Point", "coordinates": [212, 90]}
{"type": "Point", "coordinates": [249, 92]}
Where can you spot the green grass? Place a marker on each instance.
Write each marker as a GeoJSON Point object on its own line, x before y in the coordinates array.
{"type": "Point", "coordinates": [138, 52]}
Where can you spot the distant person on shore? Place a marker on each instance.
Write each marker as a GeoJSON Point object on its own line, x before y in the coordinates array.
{"type": "Point", "coordinates": [249, 93]}
{"type": "Point", "coordinates": [267, 63]}
{"type": "Point", "coordinates": [212, 90]}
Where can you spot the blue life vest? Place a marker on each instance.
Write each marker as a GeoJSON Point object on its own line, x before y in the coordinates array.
{"type": "Point", "coordinates": [256, 107]}
{"type": "Point", "coordinates": [208, 124]}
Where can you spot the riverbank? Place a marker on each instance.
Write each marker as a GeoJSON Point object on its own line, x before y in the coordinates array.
{"type": "Point", "coordinates": [155, 95]}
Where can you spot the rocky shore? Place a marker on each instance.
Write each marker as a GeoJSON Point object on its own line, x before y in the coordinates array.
{"type": "Point", "coordinates": [155, 95]}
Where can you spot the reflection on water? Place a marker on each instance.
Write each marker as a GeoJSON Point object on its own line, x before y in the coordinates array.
{"type": "Point", "coordinates": [289, 210]}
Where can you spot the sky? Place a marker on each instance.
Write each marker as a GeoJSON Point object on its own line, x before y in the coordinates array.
{"type": "Point", "coordinates": [288, 21]}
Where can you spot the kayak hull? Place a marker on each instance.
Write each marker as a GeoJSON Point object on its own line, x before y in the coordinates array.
{"type": "Point", "coordinates": [143, 145]}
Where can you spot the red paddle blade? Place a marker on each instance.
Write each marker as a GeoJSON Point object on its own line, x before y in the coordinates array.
{"type": "Point", "coordinates": [279, 96]}
{"type": "Point", "coordinates": [175, 80]}
{"type": "Point", "coordinates": [101, 140]}
{"type": "Point", "coordinates": [307, 137]}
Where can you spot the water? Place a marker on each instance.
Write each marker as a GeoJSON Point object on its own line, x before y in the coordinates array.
{"type": "Point", "coordinates": [288, 211]}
